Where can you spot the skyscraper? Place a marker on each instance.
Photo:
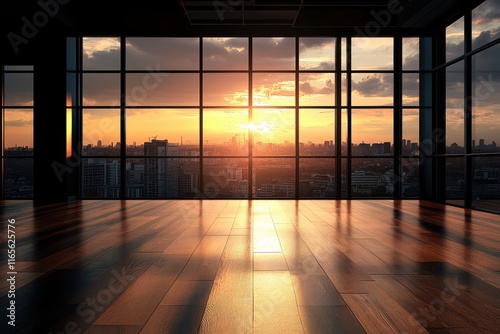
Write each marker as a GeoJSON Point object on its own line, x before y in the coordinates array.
{"type": "Point", "coordinates": [160, 172]}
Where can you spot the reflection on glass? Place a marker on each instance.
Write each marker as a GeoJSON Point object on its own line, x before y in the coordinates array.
{"type": "Point", "coordinates": [411, 177]}
{"type": "Point", "coordinates": [162, 177]}
{"type": "Point", "coordinates": [316, 53]}
{"type": "Point", "coordinates": [274, 177]}
{"type": "Point", "coordinates": [455, 180]}
{"type": "Point", "coordinates": [100, 178]}
{"type": "Point", "coordinates": [225, 177]}
{"type": "Point", "coordinates": [317, 178]}
{"type": "Point", "coordinates": [373, 89]}
{"type": "Point", "coordinates": [317, 132]}
{"type": "Point", "coordinates": [101, 89]}
{"type": "Point", "coordinates": [343, 182]}
{"type": "Point", "coordinates": [161, 54]}
{"type": "Point", "coordinates": [344, 132]}
{"type": "Point", "coordinates": [486, 183]}
{"type": "Point", "coordinates": [411, 127]}
{"type": "Point", "coordinates": [486, 101]}
{"type": "Point", "coordinates": [372, 177]}
{"type": "Point", "coordinates": [277, 53]}
{"type": "Point", "coordinates": [18, 177]}
{"type": "Point", "coordinates": [273, 89]}
{"type": "Point", "coordinates": [455, 39]}
{"type": "Point", "coordinates": [273, 132]}
{"type": "Point", "coordinates": [101, 132]}
{"type": "Point", "coordinates": [178, 127]}
{"type": "Point", "coordinates": [18, 89]}
{"type": "Point", "coordinates": [411, 89]}
{"type": "Point", "coordinates": [455, 108]}
{"type": "Point", "coordinates": [317, 89]}
{"type": "Point", "coordinates": [18, 131]}
{"type": "Point", "coordinates": [485, 23]}
{"type": "Point", "coordinates": [165, 89]}
{"type": "Point", "coordinates": [411, 54]}
{"type": "Point", "coordinates": [225, 89]}
{"type": "Point", "coordinates": [101, 53]}
{"type": "Point", "coordinates": [225, 132]}
{"type": "Point", "coordinates": [372, 132]}
{"type": "Point", "coordinates": [372, 53]}
{"type": "Point", "coordinates": [225, 53]}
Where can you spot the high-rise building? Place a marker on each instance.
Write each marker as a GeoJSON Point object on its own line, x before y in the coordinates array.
{"type": "Point", "coordinates": [160, 170]}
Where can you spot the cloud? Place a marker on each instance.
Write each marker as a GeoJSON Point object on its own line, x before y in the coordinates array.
{"type": "Point", "coordinates": [316, 42]}
{"type": "Point", "coordinates": [374, 85]}
{"type": "Point", "coordinates": [225, 53]}
{"type": "Point", "coordinates": [307, 89]}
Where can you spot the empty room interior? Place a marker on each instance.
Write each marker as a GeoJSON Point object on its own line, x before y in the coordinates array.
{"type": "Point", "coordinates": [250, 166]}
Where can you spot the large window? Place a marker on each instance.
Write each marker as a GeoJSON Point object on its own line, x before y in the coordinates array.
{"type": "Point", "coordinates": [472, 119]}
{"type": "Point", "coordinates": [258, 117]}
{"type": "Point", "coordinates": [17, 132]}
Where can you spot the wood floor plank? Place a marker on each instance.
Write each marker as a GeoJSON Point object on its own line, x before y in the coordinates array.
{"type": "Point", "coordinates": [138, 302]}
{"type": "Point", "coordinates": [230, 305]}
{"type": "Point", "coordinates": [254, 266]}
{"type": "Point", "coordinates": [275, 306]}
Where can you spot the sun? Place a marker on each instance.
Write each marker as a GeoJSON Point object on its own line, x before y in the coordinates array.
{"type": "Point", "coordinates": [262, 128]}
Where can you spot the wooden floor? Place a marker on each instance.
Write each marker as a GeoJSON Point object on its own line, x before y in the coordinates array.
{"type": "Point", "coordinates": [262, 266]}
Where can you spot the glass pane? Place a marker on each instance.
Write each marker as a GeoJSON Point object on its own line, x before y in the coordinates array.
{"type": "Point", "coordinates": [163, 89]}
{"type": "Point", "coordinates": [372, 177]}
{"type": "Point", "coordinates": [225, 89]}
{"type": "Point", "coordinates": [316, 53]}
{"type": "Point", "coordinates": [225, 53]}
{"type": "Point", "coordinates": [455, 39]}
{"type": "Point", "coordinates": [156, 53]}
{"type": "Point", "coordinates": [486, 183]}
{"type": "Point", "coordinates": [140, 184]}
{"type": "Point", "coordinates": [343, 181]}
{"type": "Point", "coordinates": [372, 53]}
{"type": "Point", "coordinates": [101, 132]}
{"type": "Point", "coordinates": [20, 68]}
{"type": "Point", "coordinates": [101, 178]}
{"type": "Point", "coordinates": [225, 132]}
{"type": "Point", "coordinates": [411, 54]}
{"type": "Point", "coordinates": [18, 178]}
{"type": "Point", "coordinates": [344, 90]}
{"type": "Point", "coordinates": [373, 89]}
{"type": "Point", "coordinates": [274, 53]}
{"type": "Point", "coordinates": [485, 23]}
{"type": "Point", "coordinates": [455, 108]}
{"type": "Point", "coordinates": [18, 132]}
{"type": "Point", "coordinates": [101, 89]}
{"type": "Point", "coordinates": [178, 127]}
{"type": "Point", "coordinates": [372, 132]}
{"type": "Point", "coordinates": [225, 177]}
{"type": "Point", "coordinates": [273, 178]}
{"type": "Point", "coordinates": [455, 180]}
{"type": "Point", "coordinates": [410, 132]}
{"type": "Point", "coordinates": [317, 132]}
{"type": "Point", "coordinates": [411, 177]}
{"type": "Point", "coordinates": [18, 89]}
{"type": "Point", "coordinates": [317, 178]}
{"type": "Point", "coordinates": [344, 132]}
{"type": "Point", "coordinates": [317, 89]}
{"type": "Point", "coordinates": [273, 132]}
{"type": "Point", "coordinates": [411, 89]}
{"type": "Point", "coordinates": [486, 101]}
{"type": "Point", "coordinates": [101, 53]}
{"type": "Point", "coordinates": [343, 46]}
{"type": "Point", "coordinates": [273, 89]}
